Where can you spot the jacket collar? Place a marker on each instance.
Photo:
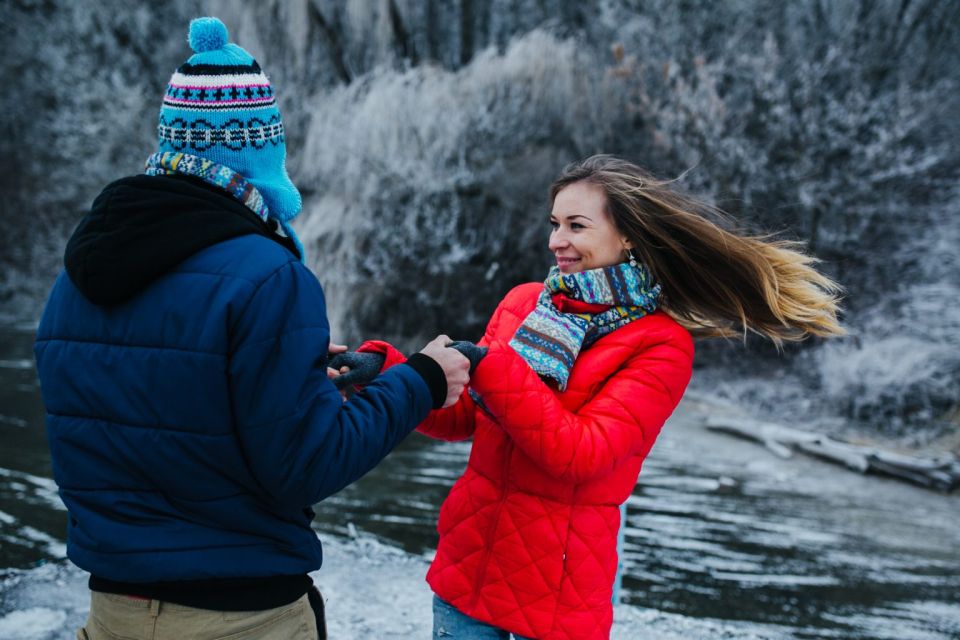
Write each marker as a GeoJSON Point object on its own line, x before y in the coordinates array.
{"type": "Point", "coordinates": [141, 227]}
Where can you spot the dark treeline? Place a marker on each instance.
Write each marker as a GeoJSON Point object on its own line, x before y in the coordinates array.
{"type": "Point", "coordinates": [424, 135]}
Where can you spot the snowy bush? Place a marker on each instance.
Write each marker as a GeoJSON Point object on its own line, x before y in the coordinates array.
{"type": "Point", "coordinates": [424, 136]}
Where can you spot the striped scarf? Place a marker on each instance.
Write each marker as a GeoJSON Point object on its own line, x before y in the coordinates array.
{"type": "Point", "coordinates": [172, 163]}
{"type": "Point", "coordinates": [550, 339]}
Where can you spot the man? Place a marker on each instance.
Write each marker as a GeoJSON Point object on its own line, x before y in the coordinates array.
{"type": "Point", "coordinates": [183, 365]}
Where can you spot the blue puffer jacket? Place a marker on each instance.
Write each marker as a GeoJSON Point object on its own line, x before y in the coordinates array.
{"type": "Point", "coordinates": [192, 424]}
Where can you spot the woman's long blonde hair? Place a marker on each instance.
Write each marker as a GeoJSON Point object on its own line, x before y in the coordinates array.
{"type": "Point", "coordinates": [716, 282]}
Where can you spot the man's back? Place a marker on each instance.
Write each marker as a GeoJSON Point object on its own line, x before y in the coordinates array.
{"type": "Point", "coordinates": [189, 425]}
{"type": "Point", "coordinates": [183, 365]}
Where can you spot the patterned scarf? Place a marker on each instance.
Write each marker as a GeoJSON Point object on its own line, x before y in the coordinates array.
{"type": "Point", "coordinates": [171, 163]}
{"type": "Point", "coordinates": [550, 339]}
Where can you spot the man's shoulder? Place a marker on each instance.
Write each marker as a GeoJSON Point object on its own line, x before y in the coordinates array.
{"type": "Point", "coordinates": [249, 257]}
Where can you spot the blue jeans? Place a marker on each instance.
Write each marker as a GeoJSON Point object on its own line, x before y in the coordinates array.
{"type": "Point", "coordinates": [450, 624]}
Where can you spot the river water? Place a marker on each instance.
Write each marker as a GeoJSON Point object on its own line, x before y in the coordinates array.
{"type": "Point", "coordinates": [717, 529]}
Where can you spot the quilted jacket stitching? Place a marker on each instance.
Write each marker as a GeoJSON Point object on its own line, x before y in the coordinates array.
{"type": "Point", "coordinates": [509, 395]}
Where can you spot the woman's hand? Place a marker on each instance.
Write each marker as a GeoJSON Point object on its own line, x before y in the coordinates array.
{"type": "Point", "coordinates": [351, 367]}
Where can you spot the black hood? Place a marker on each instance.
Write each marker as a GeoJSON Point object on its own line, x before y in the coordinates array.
{"type": "Point", "coordinates": [141, 227]}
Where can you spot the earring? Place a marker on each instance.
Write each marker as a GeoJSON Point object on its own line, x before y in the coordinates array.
{"type": "Point", "coordinates": [633, 260]}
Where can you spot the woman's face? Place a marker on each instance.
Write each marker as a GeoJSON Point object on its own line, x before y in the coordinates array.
{"type": "Point", "coordinates": [584, 236]}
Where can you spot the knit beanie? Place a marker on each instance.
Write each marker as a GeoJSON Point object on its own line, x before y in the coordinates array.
{"type": "Point", "coordinates": [220, 106]}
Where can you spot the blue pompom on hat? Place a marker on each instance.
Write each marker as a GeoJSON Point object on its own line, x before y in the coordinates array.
{"type": "Point", "coordinates": [220, 106]}
{"type": "Point", "coordinates": [207, 34]}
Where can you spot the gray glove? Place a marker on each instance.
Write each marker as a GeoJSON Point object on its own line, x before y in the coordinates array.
{"type": "Point", "coordinates": [364, 367]}
{"type": "Point", "coordinates": [472, 352]}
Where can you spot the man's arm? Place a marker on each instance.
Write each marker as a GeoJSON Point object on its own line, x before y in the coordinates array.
{"type": "Point", "coordinates": [301, 441]}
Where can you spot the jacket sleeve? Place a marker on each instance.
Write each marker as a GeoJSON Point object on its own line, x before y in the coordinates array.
{"type": "Point", "coordinates": [452, 423]}
{"type": "Point", "coordinates": [301, 441]}
{"type": "Point", "coordinates": [456, 422]}
{"type": "Point", "coordinates": [622, 419]}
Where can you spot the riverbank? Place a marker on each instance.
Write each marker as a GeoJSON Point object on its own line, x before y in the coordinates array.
{"type": "Point", "coordinates": [371, 591]}
{"type": "Point", "coordinates": [689, 423]}
{"type": "Point", "coordinates": [934, 465]}
{"type": "Point", "coordinates": [724, 540]}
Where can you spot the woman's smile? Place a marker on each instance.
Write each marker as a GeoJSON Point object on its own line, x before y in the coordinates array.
{"type": "Point", "coordinates": [567, 263]}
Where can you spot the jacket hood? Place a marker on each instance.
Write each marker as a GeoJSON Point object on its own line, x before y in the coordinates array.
{"type": "Point", "coordinates": [141, 227]}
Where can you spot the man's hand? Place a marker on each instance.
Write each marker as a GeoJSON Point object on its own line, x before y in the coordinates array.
{"type": "Point", "coordinates": [472, 352]}
{"type": "Point", "coordinates": [456, 367]}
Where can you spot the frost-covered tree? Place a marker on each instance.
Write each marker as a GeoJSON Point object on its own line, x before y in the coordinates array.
{"type": "Point", "coordinates": [424, 133]}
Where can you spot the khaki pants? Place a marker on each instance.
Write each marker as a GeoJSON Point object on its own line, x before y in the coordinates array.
{"type": "Point", "coordinates": [115, 617]}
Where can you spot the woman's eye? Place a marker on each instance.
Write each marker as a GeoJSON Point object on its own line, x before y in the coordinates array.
{"type": "Point", "coordinates": [576, 225]}
{"type": "Point", "coordinates": [554, 224]}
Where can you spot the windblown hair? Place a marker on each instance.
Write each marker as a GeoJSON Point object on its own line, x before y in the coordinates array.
{"type": "Point", "coordinates": [716, 281]}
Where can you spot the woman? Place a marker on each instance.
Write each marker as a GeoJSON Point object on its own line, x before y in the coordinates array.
{"type": "Point", "coordinates": [581, 373]}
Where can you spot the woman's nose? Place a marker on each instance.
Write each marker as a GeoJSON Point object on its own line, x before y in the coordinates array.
{"type": "Point", "coordinates": [557, 241]}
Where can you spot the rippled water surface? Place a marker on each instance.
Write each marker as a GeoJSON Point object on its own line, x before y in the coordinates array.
{"type": "Point", "coordinates": [716, 528]}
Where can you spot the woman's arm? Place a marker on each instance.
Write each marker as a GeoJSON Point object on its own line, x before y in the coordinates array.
{"type": "Point", "coordinates": [624, 417]}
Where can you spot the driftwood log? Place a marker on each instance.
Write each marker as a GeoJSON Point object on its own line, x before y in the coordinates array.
{"type": "Point", "coordinates": [940, 472]}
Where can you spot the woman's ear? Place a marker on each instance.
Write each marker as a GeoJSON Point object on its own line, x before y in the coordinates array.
{"type": "Point", "coordinates": [627, 245]}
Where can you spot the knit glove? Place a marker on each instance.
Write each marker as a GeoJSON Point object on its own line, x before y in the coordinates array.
{"type": "Point", "coordinates": [364, 367]}
{"type": "Point", "coordinates": [472, 352]}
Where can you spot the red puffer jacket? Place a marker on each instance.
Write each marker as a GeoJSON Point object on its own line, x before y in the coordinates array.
{"type": "Point", "coordinates": [528, 533]}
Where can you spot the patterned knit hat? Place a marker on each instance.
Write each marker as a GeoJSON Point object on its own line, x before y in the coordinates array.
{"type": "Point", "coordinates": [219, 105]}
